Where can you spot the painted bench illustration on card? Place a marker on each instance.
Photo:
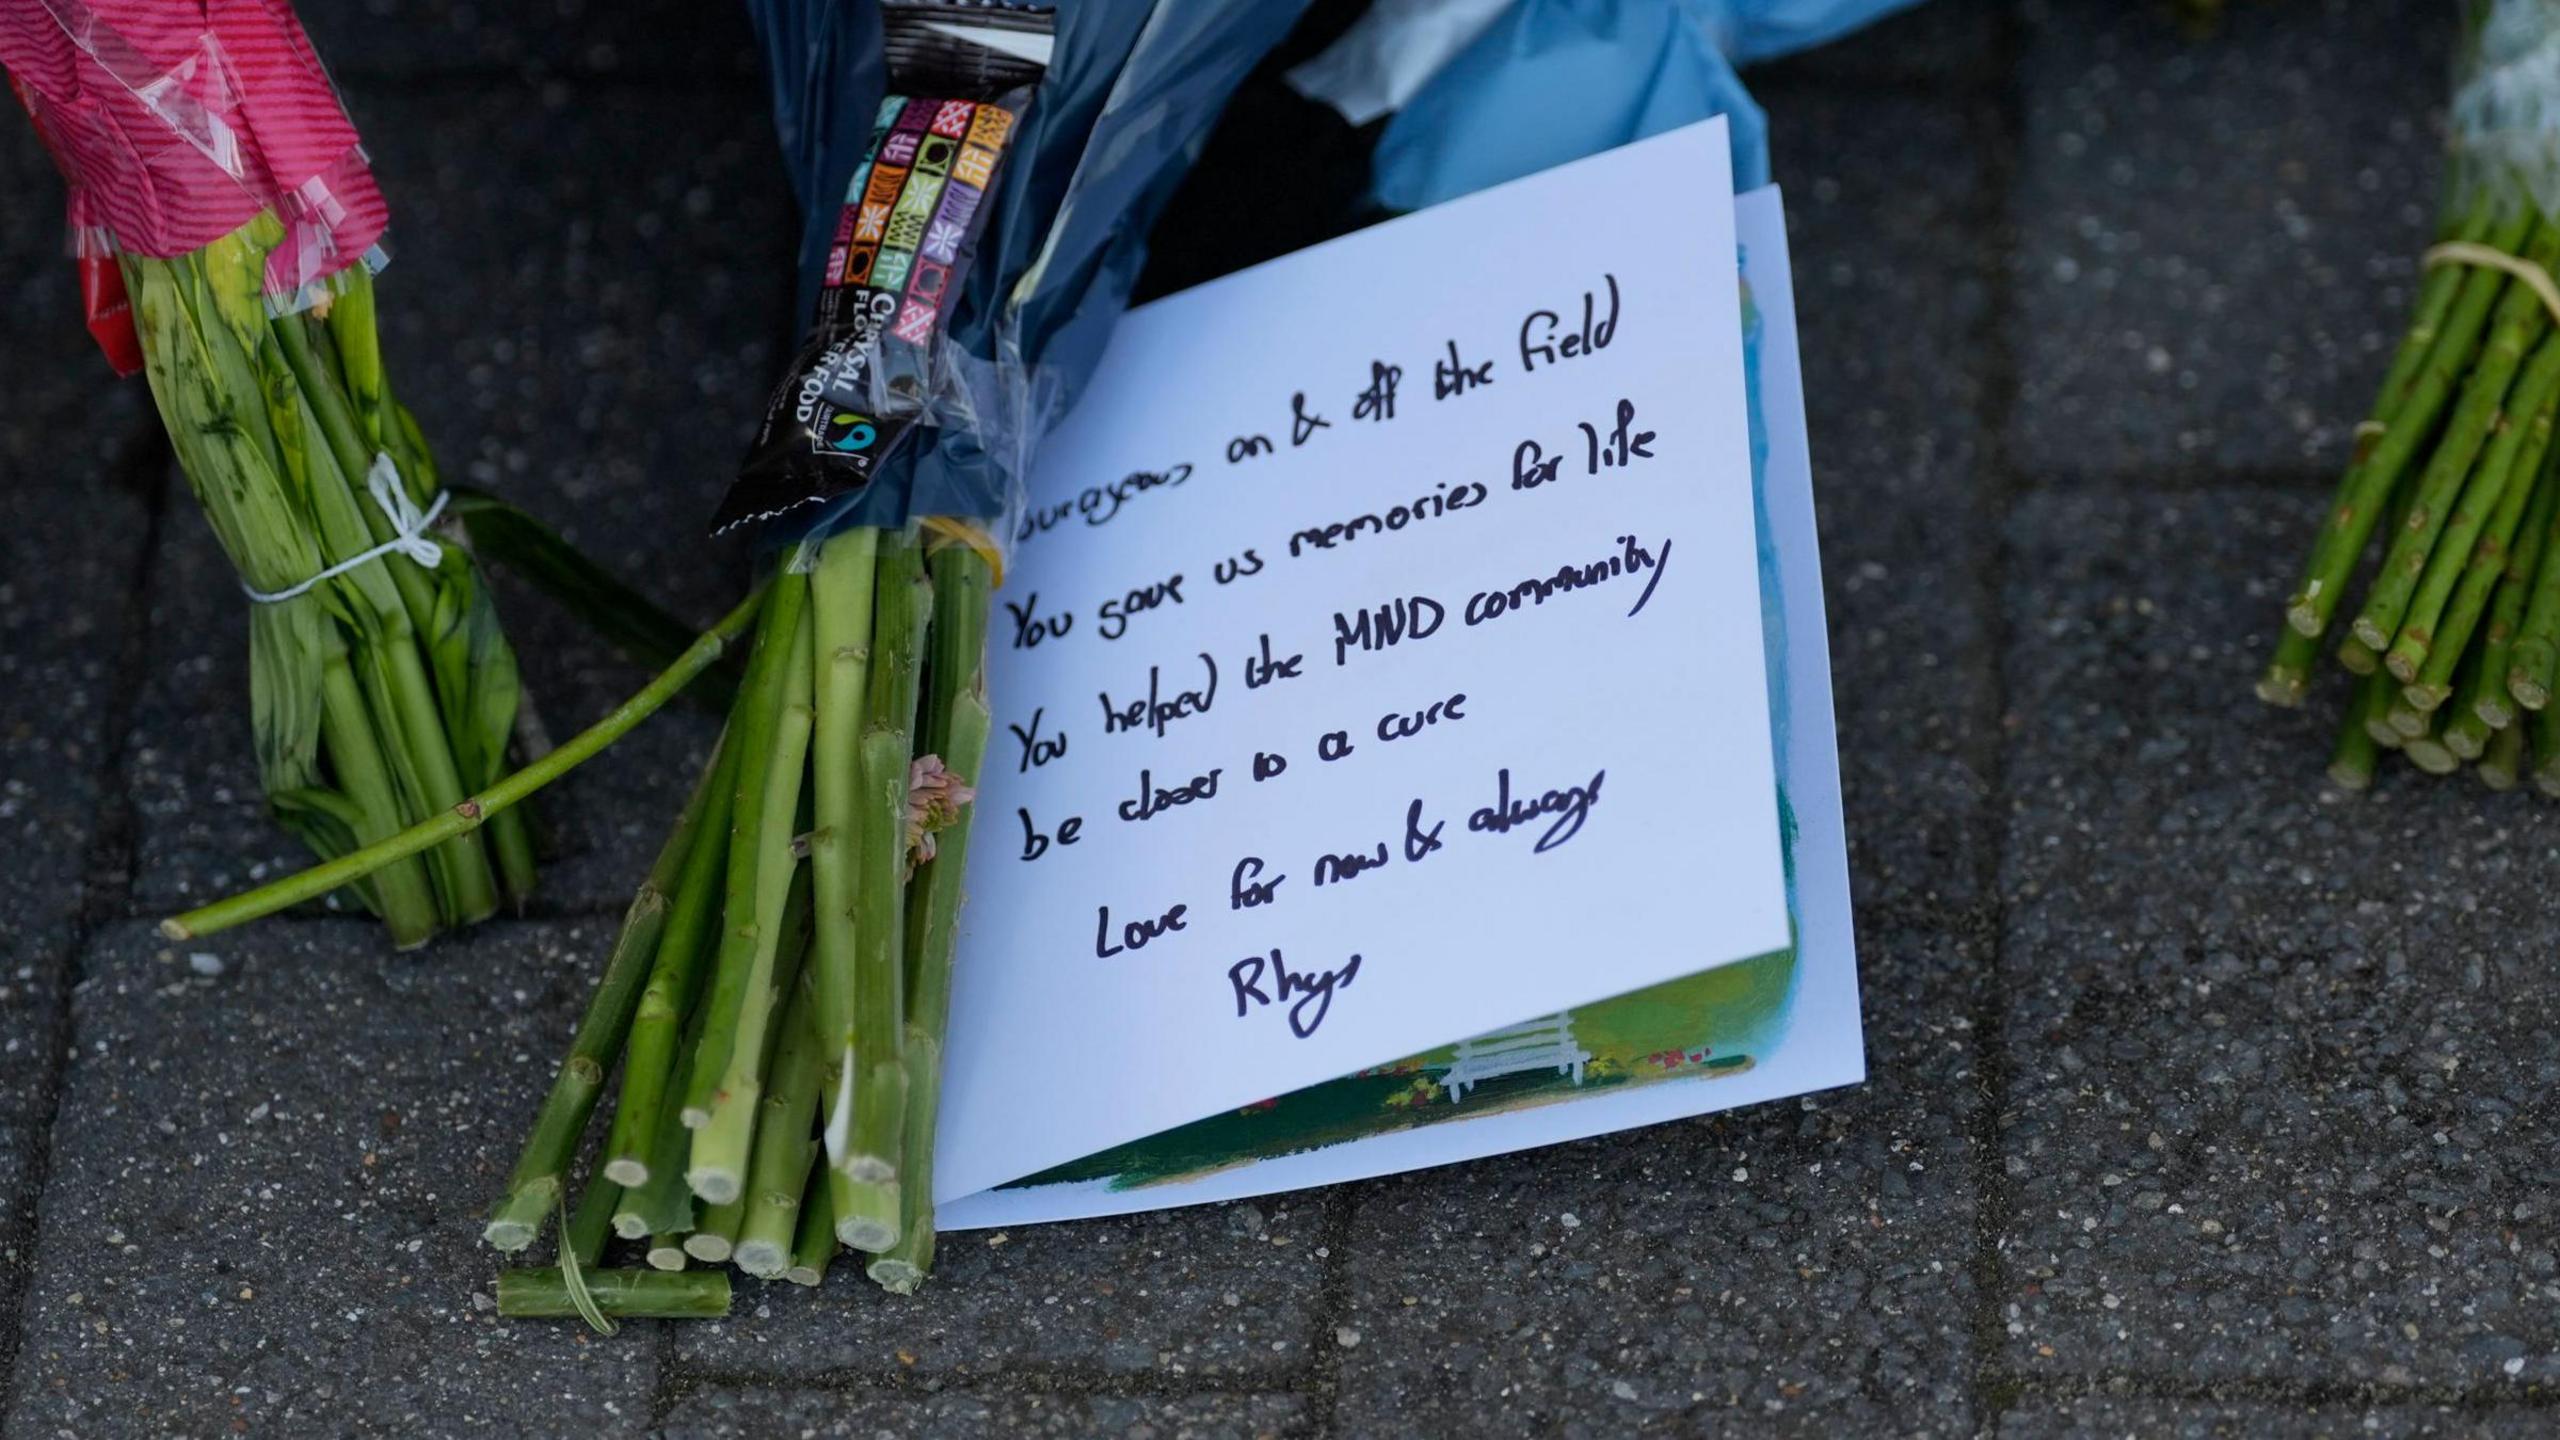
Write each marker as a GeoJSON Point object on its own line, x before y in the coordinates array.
{"type": "Point", "coordinates": [1545, 1043]}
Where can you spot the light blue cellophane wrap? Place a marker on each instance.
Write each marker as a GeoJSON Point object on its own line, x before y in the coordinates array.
{"type": "Point", "coordinates": [1555, 80]}
{"type": "Point", "coordinates": [1131, 91]}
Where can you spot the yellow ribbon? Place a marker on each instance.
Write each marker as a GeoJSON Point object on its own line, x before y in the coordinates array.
{"type": "Point", "coordinates": [941, 530]}
{"type": "Point", "coordinates": [2489, 257]}
{"type": "Point", "coordinates": [2465, 252]}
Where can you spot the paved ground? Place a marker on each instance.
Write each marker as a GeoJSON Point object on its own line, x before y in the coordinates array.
{"type": "Point", "coordinates": [2202, 1103]}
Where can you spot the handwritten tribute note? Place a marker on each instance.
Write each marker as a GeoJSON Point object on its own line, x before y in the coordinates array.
{"type": "Point", "coordinates": [1380, 664]}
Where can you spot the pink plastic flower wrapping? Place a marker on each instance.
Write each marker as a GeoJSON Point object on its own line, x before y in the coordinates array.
{"type": "Point", "coordinates": [175, 121]}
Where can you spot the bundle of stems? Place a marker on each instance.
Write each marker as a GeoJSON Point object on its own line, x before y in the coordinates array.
{"type": "Point", "coordinates": [2456, 640]}
{"type": "Point", "coordinates": [778, 994]}
{"type": "Point", "coordinates": [381, 688]}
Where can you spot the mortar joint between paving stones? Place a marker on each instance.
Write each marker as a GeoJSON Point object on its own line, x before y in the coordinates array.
{"type": "Point", "coordinates": [106, 872]}
{"type": "Point", "coordinates": [678, 1383]}
{"type": "Point", "coordinates": [2203, 478]}
{"type": "Point", "coordinates": [1323, 1383]}
{"type": "Point", "coordinates": [666, 1389]}
{"type": "Point", "coordinates": [2295, 1396]}
{"type": "Point", "coordinates": [2001, 119]}
{"type": "Point", "coordinates": [1316, 1377]}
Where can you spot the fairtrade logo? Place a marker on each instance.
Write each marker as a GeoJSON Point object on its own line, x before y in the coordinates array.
{"type": "Point", "coordinates": [849, 432]}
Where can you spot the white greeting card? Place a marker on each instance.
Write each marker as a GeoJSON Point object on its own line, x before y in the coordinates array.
{"type": "Point", "coordinates": [1412, 709]}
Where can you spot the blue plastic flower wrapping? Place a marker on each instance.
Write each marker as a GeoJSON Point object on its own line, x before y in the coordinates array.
{"type": "Point", "coordinates": [1075, 122]}
{"type": "Point", "coordinates": [1541, 82]}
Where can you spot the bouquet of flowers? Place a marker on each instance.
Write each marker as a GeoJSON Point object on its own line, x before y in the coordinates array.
{"type": "Point", "coordinates": [227, 230]}
{"type": "Point", "coordinates": [2456, 642]}
{"type": "Point", "coordinates": [977, 209]}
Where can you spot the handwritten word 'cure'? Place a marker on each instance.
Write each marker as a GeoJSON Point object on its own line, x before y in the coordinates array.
{"type": "Point", "coordinates": [1397, 725]}
{"type": "Point", "coordinates": [1311, 990]}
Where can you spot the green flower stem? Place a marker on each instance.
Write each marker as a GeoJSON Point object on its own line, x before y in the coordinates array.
{"type": "Point", "coordinates": [2532, 661]}
{"type": "Point", "coordinates": [2466, 734]}
{"type": "Point", "coordinates": [842, 589]}
{"type": "Point", "coordinates": [2518, 324]}
{"type": "Point", "coordinates": [2288, 674]}
{"type": "Point", "coordinates": [407, 605]}
{"type": "Point", "coordinates": [320, 879]}
{"type": "Point", "coordinates": [404, 707]}
{"type": "Point", "coordinates": [815, 1243]}
{"type": "Point", "coordinates": [675, 977]}
{"type": "Point", "coordinates": [749, 899]}
{"type": "Point", "coordinates": [785, 1142]}
{"type": "Point", "coordinates": [353, 456]}
{"type": "Point", "coordinates": [331, 756]}
{"type": "Point", "coordinates": [2377, 715]}
{"type": "Point", "coordinates": [715, 1233]}
{"type": "Point", "coordinates": [2487, 695]}
{"type": "Point", "coordinates": [621, 1294]}
{"type": "Point", "coordinates": [724, 1141]}
{"type": "Point", "coordinates": [957, 726]}
{"type": "Point", "coordinates": [511, 845]}
{"type": "Point", "coordinates": [591, 1224]}
{"type": "Point", "coordinates": [2351, 764]}
{"type": "Point", "coordinates": [2408, 416]}
{"type": "Point", "coordinates": [399, 886]}
{"type": "Point", "coordinates": [2501, 763]}
{"type": "Point", "coordinates": [2491, 557]}
{"type": "Point", "coordinates": [2427, 752]}
{"type": "Point", "coordinates": [2545, 732]}
{"type": "Point", "coordinates": [666, 1252]}
{"type": "Point", "coordinates": [536, 1185]}
{"type": "Point", "coordinates": [874, 1079]}
{"type": "Point", "coordinates": [2465, 557]}
{"type": "Point", "coordinates": [663, 1205]}
{"type": "Point", "coordinates": [2354, 656]}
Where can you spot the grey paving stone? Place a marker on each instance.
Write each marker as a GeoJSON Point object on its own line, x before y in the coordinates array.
{"type": "Point", "coordinates": [71, 535]}
{"type": "Point", "coordinates": [1945, 42]}
{"type": "Point", "coordinates": [720, 1411]}
{"type": "Point", "coordinates": [1218, 1291]}
{"type": "Point", "coordinates": [2279, 1062]}
{"type": "Point", "coordinates": [1801, 1265]}
{"type": "Point", "coordinates": [1890, 298]}
{"type": "Point", "coordinates": [662, 41]}
{"type": "Point", "coordinates": [585, 336]}
{"type": "Point", "coordinates": [2218, 236]}
{"type": "Point", "coordinates": [264, 1201]}
{"type": "Point", "coordinates": [2155, 800]}
{"type": "Point", "coordinates": [2104, 1418]}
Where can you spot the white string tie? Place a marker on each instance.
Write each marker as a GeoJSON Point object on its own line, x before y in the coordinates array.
{"type": "Point", "coordinates": [409, 532]}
